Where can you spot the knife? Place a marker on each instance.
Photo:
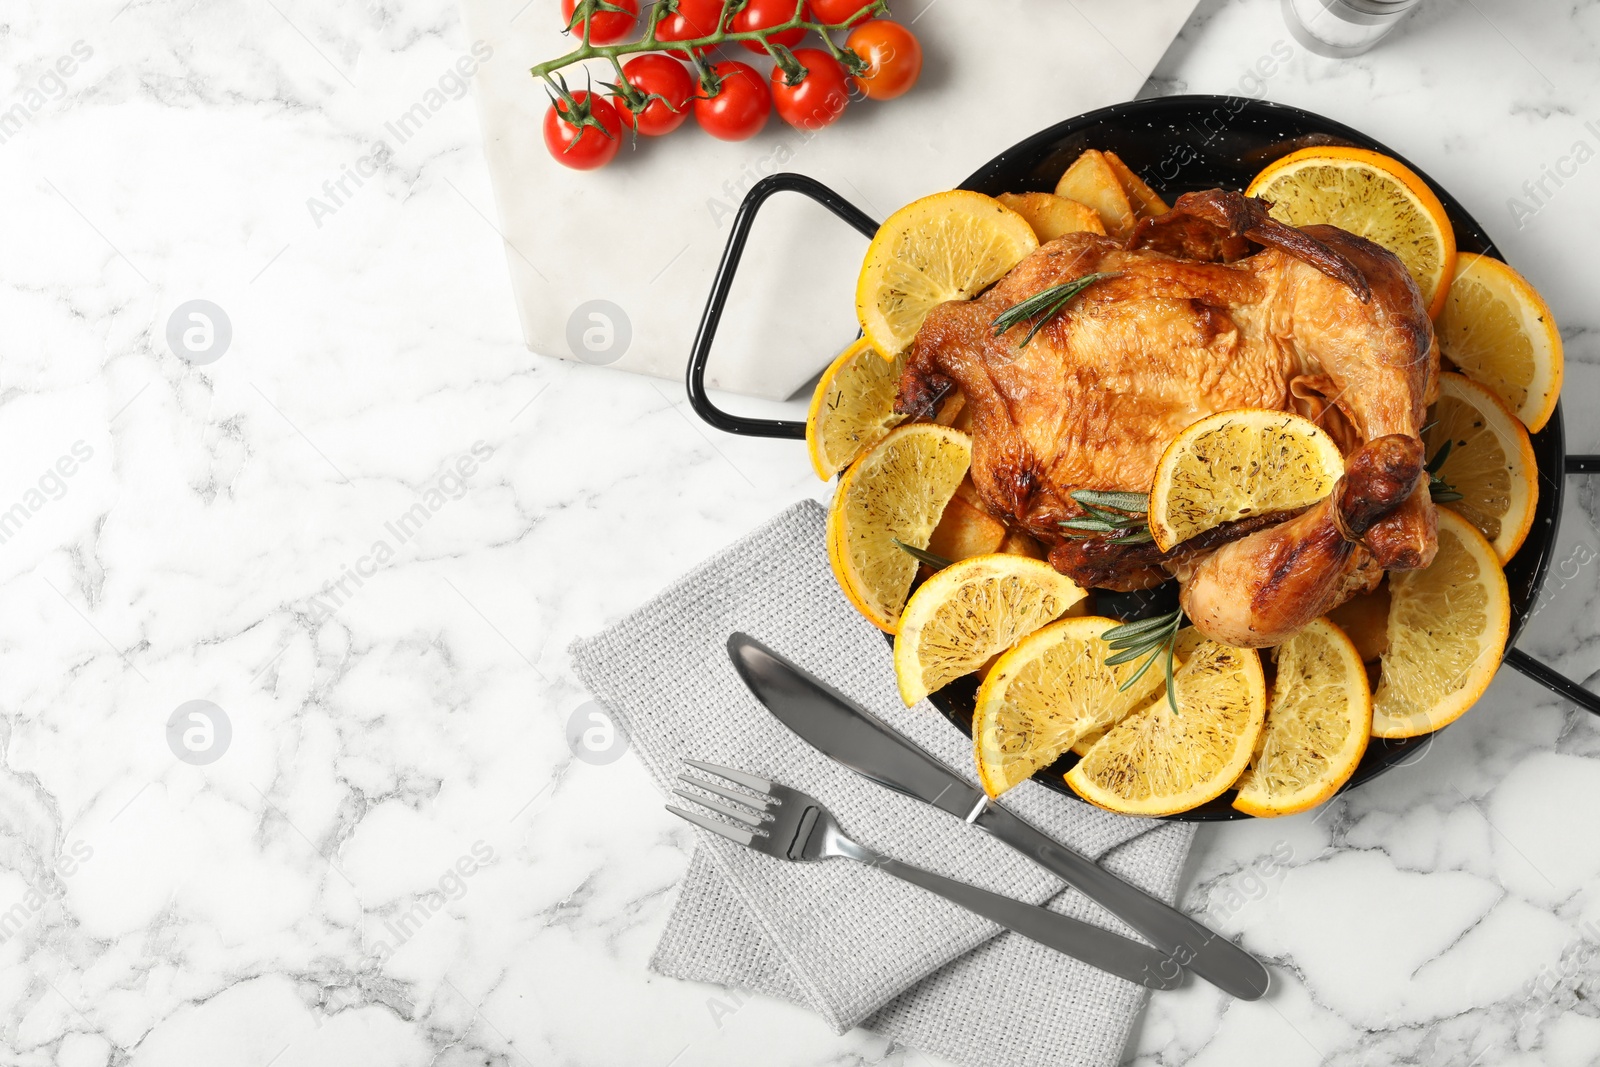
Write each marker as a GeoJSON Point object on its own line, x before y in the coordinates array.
{"type": "Point", "coordinates": [849, 734]}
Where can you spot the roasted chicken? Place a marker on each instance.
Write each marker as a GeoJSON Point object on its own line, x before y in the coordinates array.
{"type": "Point", "coordinates": [1213, 306]}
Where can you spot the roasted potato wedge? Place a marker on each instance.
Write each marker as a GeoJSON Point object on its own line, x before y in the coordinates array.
{"type": "Point", "coordinates": [967, 528]}
{"type": "Point", "coordinates": [1092, 181]}
{"type": "Point", "coordinates": [951, 410]}
{"type": "Point", "coordinates": [962, 419]}
{"type": "Point", "coordinates": [1147, 203]}
{"type": "Point", "coordinates": [1051, 215]}
{"type": "Point", "coordinates": [1364, 618]}
{"type": "Point", "coordinates": [1020, 544]}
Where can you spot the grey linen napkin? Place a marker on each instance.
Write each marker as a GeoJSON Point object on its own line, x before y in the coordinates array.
{"type": "Point", "coordinates": [852, 943]}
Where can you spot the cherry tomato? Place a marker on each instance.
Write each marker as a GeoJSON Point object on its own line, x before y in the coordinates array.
{"type": "Point", "coordinates": [661, 76]}
{"type": "Point", "coordinates": [759, 14]}
{"type": "Point", "coordinates": [893, 55]}
{"type": "Point", "coordinates": [741, 104]}
{"type": "Point", "coordinates": [839, 12]}
{"type": "Point", "coordinates": [820, 97]}
{"type": "Point", "coordinates": [694, 18]}
{"type": "Point", "coordinates": [582, 147]}
{"type": "Point", "coordinates": [609, 26]}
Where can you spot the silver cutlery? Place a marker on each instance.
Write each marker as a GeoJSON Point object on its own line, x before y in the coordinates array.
{"type": "Point", "coordinates": [785, 823]}
{"type": "Point", "coordinates": [849, 734]}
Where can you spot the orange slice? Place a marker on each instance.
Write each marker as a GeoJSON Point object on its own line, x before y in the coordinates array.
{"type": "Point", "coordinates": [1447, 633]}
{"type": "Point", "coordinates": [948, 246]}
{"type": "Point", "coordinates": [1045, 694]}
{"type": "Point", "coordinates": [852, 408]}
{"type": "Point", "coordinates": [970, 612]}
{"type": "Point", "coordinates": [1498, 331]}
{"type": "Point", "coordinates": [1160, 762]}
{"type": "Point", "coordinates": [1318, 722]}
{"type": "Point", "coordinates": [1372, 196]}
{"type": "Point", "coordinates": [1238, 463]}
{"type": "Point", "coordinates": [1490, 462]}
{"type": "Point", "coordinates": [896, 491]}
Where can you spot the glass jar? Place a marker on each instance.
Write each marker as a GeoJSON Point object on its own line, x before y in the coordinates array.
{"type": "Point", "coordinates": [1343, 28]}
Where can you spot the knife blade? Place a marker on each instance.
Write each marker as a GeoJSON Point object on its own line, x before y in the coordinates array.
{"type": "Point", "coordinates": [847, 733]}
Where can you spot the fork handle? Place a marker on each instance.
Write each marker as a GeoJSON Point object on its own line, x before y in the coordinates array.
{"type": "Point", "coordinates": [1109, 952]}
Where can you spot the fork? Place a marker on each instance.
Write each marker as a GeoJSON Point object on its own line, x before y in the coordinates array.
{"type": "Point", "coordinates": [787, 824]}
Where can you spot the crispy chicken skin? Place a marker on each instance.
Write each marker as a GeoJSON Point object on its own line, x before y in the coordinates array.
{"type": "Point", "coordinates": [1214, 306]}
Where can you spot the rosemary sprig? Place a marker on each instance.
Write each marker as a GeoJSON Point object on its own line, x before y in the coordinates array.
{"type": "Point", "coordinates": [1045, 305]}
{"type": "Point", "coordinates": [1441, 491]}
{"type": "Point", "coordinates": [1149, 638]}
{"type": "Point", "coordinates": [1126, 523]}
{"type": "Point", "coordinates": [922, 555]}
{"type": "Point", "coordinates": [1133, 503]}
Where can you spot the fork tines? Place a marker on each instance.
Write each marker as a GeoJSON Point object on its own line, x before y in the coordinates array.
{"type": "Point", "coordinates": [749, 810]}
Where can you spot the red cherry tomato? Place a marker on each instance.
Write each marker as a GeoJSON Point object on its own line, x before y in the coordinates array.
{"type": "Point", "coordinates": [759, 14]}
{"type": "Point", "coordinates": [893, 55]}
{"type": "Point", "coordinates": [609, 26]}
{"type": "Point", "coordinates": [839, 12]}
{"type": "Point", "coordinates": [661, 76]}
{"type": "Point", "coordinates": [741, 104]}
{"type": "Point", "coordinates": [820, 97]}
{"type": "Point", "coordinates": [582, 146]}
{"type": "Point", "coordinates": [694, 18]}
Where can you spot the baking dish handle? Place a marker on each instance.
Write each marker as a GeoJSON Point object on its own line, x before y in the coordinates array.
{"type": "Point", "coordinates": [1542, 673]}
{"type": "Point", "coordinates": [758, 194]}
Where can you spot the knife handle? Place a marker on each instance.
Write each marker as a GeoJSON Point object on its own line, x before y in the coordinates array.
{"type": "Point", "coordinates": [1110, 952]}
{"type": "Point", "coordinates": [1204, 951]}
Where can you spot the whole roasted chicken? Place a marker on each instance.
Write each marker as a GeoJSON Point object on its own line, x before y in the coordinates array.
{"type": "Point", "coordinates": [1213, 306]}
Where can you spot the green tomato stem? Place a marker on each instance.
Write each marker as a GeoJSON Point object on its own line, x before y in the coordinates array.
{"type": "Point", "coordinates": [649, 42]}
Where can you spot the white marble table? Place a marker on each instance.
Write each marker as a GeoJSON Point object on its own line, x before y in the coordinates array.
{"type": "Point", "coordinates": [367, 531]}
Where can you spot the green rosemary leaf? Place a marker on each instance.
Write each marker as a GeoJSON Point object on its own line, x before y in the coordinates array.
{"type": "Point", "coordinates": [1153, 638]}
{"type": "Point", "coordinates": [1091, 525]}
{"type": "Point", "coordinates": [1125, 686]}
{"type": "Point", "coordinates": [1440, 456]}
{"type": "Point", "coordinates": [1111, 512]}
{"type": "Point", "coordinates": [1148, 639]}
{"type": "Point", "coordinates": [1043, 321]}
{"type": "Point", "coordinates": [1037, 304]}
{"type": "Point", "coordinates": [922, 555]}
{"type": "Point", "coordinates": [1440, 490]}
{"type": "Point", "coordinates": [1132, 503]}
{"type": "Point", "coordinates": [1115, 518]}
{"type": "Point", "coordinates": [1133, 648]}
{"type": "Point", "coordinates": [1150, 631]}
{"type": "Point", "coordinates": [1128, 629]}
{"type": "Point", "coordinates": [1172, 689]}
{"type": "Point", "coordinates": [1044, 305]}
{"type": "Point", "coordinates": [1127, 655]}
{"type": "Point", "coordinates": [1144, 640]}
